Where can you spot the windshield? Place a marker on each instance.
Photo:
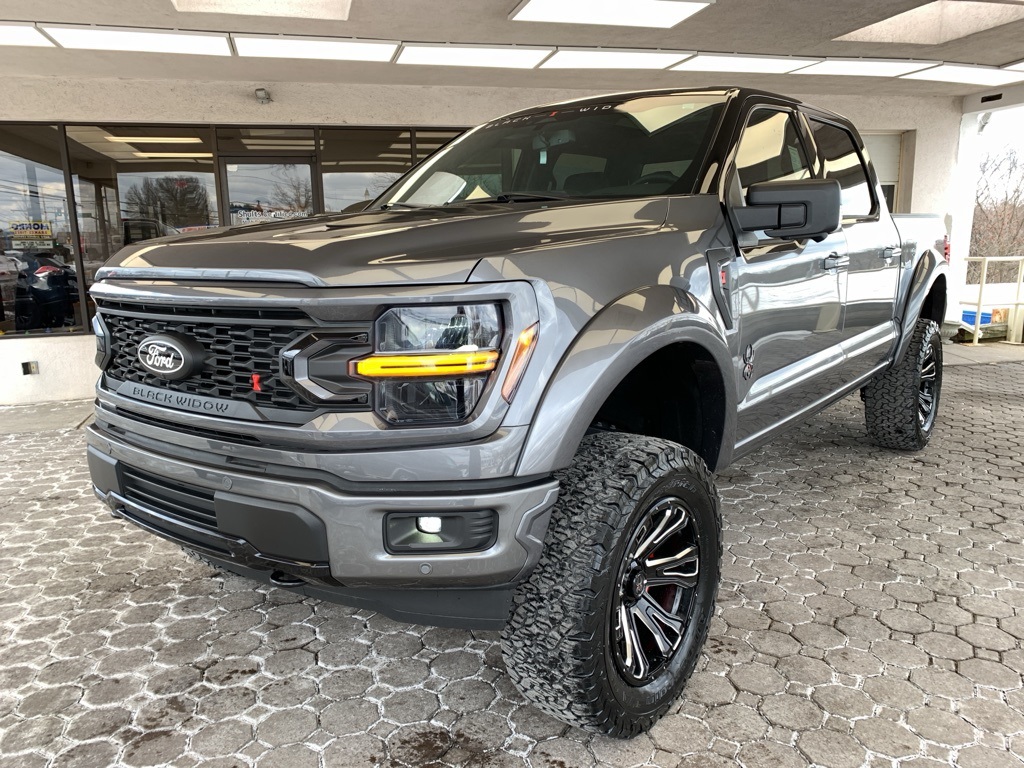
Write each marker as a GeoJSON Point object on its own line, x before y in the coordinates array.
{"type": "Point", "coordinates": [641, 147]}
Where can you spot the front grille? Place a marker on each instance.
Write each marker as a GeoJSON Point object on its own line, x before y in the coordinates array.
{"type": "Point", "coordinates": [234, 352]}
{"type": "Point", "coordinates": [187, 504]}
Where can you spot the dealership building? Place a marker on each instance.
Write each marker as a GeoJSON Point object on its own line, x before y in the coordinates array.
{"type": "Point", "coordinates": [125, 120]}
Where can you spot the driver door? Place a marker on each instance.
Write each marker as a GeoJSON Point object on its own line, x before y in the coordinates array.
{"type": "Point", "coordinates": [785, 293]}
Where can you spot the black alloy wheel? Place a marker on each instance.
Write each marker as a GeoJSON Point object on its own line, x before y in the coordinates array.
{"type": "Point", "coordinates": [928, 389]}
{"type": "Point", "coordinates": [655, 598]}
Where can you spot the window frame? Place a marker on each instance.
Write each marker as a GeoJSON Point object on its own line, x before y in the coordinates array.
{"type": "Point", "coordinates": [809, 156]}
{"type": "Point", "coordinates": [869, 172]}
{"type": "Point", "coordinates": [732, 171]}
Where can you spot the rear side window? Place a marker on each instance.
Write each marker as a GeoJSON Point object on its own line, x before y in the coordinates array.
{"type": "Point", "coordinates": [770, 150]}
{"type": "Point", "coordinates": [843, 163]}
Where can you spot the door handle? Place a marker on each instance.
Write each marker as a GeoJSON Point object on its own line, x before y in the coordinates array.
{"type": "Point", "coordinates": [834, 261]}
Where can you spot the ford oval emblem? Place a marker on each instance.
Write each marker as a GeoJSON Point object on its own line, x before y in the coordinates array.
{"type": "Point", "coordinates": [164, 356]}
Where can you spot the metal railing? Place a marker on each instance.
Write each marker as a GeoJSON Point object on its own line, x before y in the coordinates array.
{"type": "Point", "coordinates": [1015, 304]}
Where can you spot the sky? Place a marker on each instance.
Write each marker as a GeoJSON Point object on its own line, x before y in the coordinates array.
{"type": "Point", "coordinates": [1004, 129]}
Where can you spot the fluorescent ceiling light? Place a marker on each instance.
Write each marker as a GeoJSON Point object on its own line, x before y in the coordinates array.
{"type": "Point", "coordinates": [1019, 66]}
{"type": "Point", "coordinates": [335, 10]}
{"type": "Point", "coordinates": [172, 154]}
{"type": "Point", "coordinates": [314, 48]}
{"type": "Point", "coordinates": [12, 33]}
{"type": "Point", "coordinates": [599, 58]}
{"type": "Point", "coordinates": [619, 13]}
{"type": "Point", "coordinates": [512, 57]}
{"type": "Point", "coordinates": [866, 67]}
{"type": "Point", "coordinates": [155, 139]}
{"type": "Point", "coordinates": [966, 73]}
{"type": "Point", "coordinates": [724, 62]}
{"type": "Point", "coordinates": [143, 40]}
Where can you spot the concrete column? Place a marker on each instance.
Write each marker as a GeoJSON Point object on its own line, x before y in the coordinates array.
{"type": "Point", "coordinates": [963, 195]}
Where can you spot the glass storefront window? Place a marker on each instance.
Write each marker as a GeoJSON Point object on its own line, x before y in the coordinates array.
{"type": "Point", "coordinates": [269, 191]}
{"type": "Point", "coordinates": [265, 141]}
{"type": "Point", "coordinates": [154, 181]}
{"type": "Point", "coordinates": [38, 278]}
{"type": "Point", "coordinates": [359, 164]}
{"type": "Point", "coordinates": [132, 183]}
{"type": "Point", "coordinates": [429, 140]}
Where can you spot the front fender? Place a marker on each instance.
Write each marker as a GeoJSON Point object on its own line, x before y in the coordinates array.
{"type": "Point", "coordinates": [930, 267]}
{"type": "Point", "coordinates": [619, 338]}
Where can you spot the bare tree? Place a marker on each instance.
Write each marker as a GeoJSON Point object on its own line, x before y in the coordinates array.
{"type": "Point", "coordinates": [180, 201]}
{"type": "Point", "coordinates": [999, 215]}
{"type": "Point", "coordinates": [379, 182]}
{"type": "Point", "coordinates": [293, 192]}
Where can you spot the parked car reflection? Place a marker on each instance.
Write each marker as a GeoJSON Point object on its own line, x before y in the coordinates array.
{"type": "Point", "coordinates": [39, 291]}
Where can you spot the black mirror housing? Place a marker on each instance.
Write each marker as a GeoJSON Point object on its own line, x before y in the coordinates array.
{"type": "Point", "coordinates": [791, 209]}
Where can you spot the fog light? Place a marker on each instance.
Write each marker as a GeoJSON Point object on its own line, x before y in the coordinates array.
{"type": "Point", "coordinates": [408, 532]}
{"type": "Point", "coordinates": [429, 524]}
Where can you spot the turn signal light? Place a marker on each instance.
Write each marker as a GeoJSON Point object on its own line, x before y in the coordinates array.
{"type": "Point", "coordinates": [414, 366]}
{"type": "Point", "coordinates": [520, 357]}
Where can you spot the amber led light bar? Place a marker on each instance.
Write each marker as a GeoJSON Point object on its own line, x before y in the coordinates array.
{"type": "Point", "coordinates": [426, 366]}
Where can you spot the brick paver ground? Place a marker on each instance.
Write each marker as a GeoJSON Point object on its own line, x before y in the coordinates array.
{"type": "Point", "coordinates": [872, 611]}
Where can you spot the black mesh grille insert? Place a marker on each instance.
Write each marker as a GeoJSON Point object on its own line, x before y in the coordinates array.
{"type": "Point", "coordinates": [234, 352]}
{"type": "Point", "coordinates": [190, 505]}
{"type": "Point", "coordinates": [230, 313]}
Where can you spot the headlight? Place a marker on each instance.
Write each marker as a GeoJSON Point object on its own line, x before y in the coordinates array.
{"type": "Point", "coordinates": [432, 362]}
{"type": "Point", "coordinates": [102, 342]}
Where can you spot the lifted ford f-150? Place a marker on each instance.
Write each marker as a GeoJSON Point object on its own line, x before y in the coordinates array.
{"type": "Point", "coordinates": [496, 397]}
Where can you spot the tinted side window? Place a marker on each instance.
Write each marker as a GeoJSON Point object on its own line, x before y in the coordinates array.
{"type": "Point", "coordinates": [842, 163]}
{"type": "Point", "coordinates": [770, 150]}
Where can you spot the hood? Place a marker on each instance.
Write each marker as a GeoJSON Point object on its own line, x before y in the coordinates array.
{"type": "Point", "coordinates": [398, 246]}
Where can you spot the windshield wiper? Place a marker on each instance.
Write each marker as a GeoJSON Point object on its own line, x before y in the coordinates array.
{"type": "Point", "coordinates": [517, 197]}
{"type": "Point", "coordinates": [414, 206]}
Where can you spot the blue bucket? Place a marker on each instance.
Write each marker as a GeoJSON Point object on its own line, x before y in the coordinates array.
{"type": "Point", "coordinates": [986, 317]}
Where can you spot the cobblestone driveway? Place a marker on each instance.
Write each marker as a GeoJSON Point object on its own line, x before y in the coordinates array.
{"type": "Point", "coordinates": [872, 611]}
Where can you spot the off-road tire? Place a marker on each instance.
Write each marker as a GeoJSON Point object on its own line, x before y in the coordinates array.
{"type": "Point", "coordinates": [891, 399]}
{"type": "Point", "coordinates": [557, 643]}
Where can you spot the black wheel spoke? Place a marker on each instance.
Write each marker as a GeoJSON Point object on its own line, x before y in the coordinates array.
{"type": "Point", "coordinates": [668, 518]}
{"type": "Point", "coordinates": [666, 629]}
{"type": "Point", "coordinates": [635, 657]}
{"type": "Point", "coordinates": [681, 569]}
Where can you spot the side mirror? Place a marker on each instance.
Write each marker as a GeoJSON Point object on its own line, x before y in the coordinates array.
{"type": "Point", "coordinates": [791, 209]}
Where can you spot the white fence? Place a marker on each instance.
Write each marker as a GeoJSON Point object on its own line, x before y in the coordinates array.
{"type": "Point", "coordinates": [999, 295]}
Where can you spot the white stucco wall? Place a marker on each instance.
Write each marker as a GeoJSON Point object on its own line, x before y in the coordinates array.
{"type": "Point", "coordinates": [66, 369]}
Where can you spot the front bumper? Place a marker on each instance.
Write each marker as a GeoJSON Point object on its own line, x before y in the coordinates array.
{"type": "Point", "coordinates": [319, 538]}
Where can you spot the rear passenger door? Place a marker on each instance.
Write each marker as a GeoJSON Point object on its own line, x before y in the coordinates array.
{"type": "Point", "coordinates": [785, 293]}
{"type": "Point", "coordinates": [868, 284]}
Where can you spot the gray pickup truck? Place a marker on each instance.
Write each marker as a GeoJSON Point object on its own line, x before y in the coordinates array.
{"type": "Point", "coordinates": [496, 397]}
